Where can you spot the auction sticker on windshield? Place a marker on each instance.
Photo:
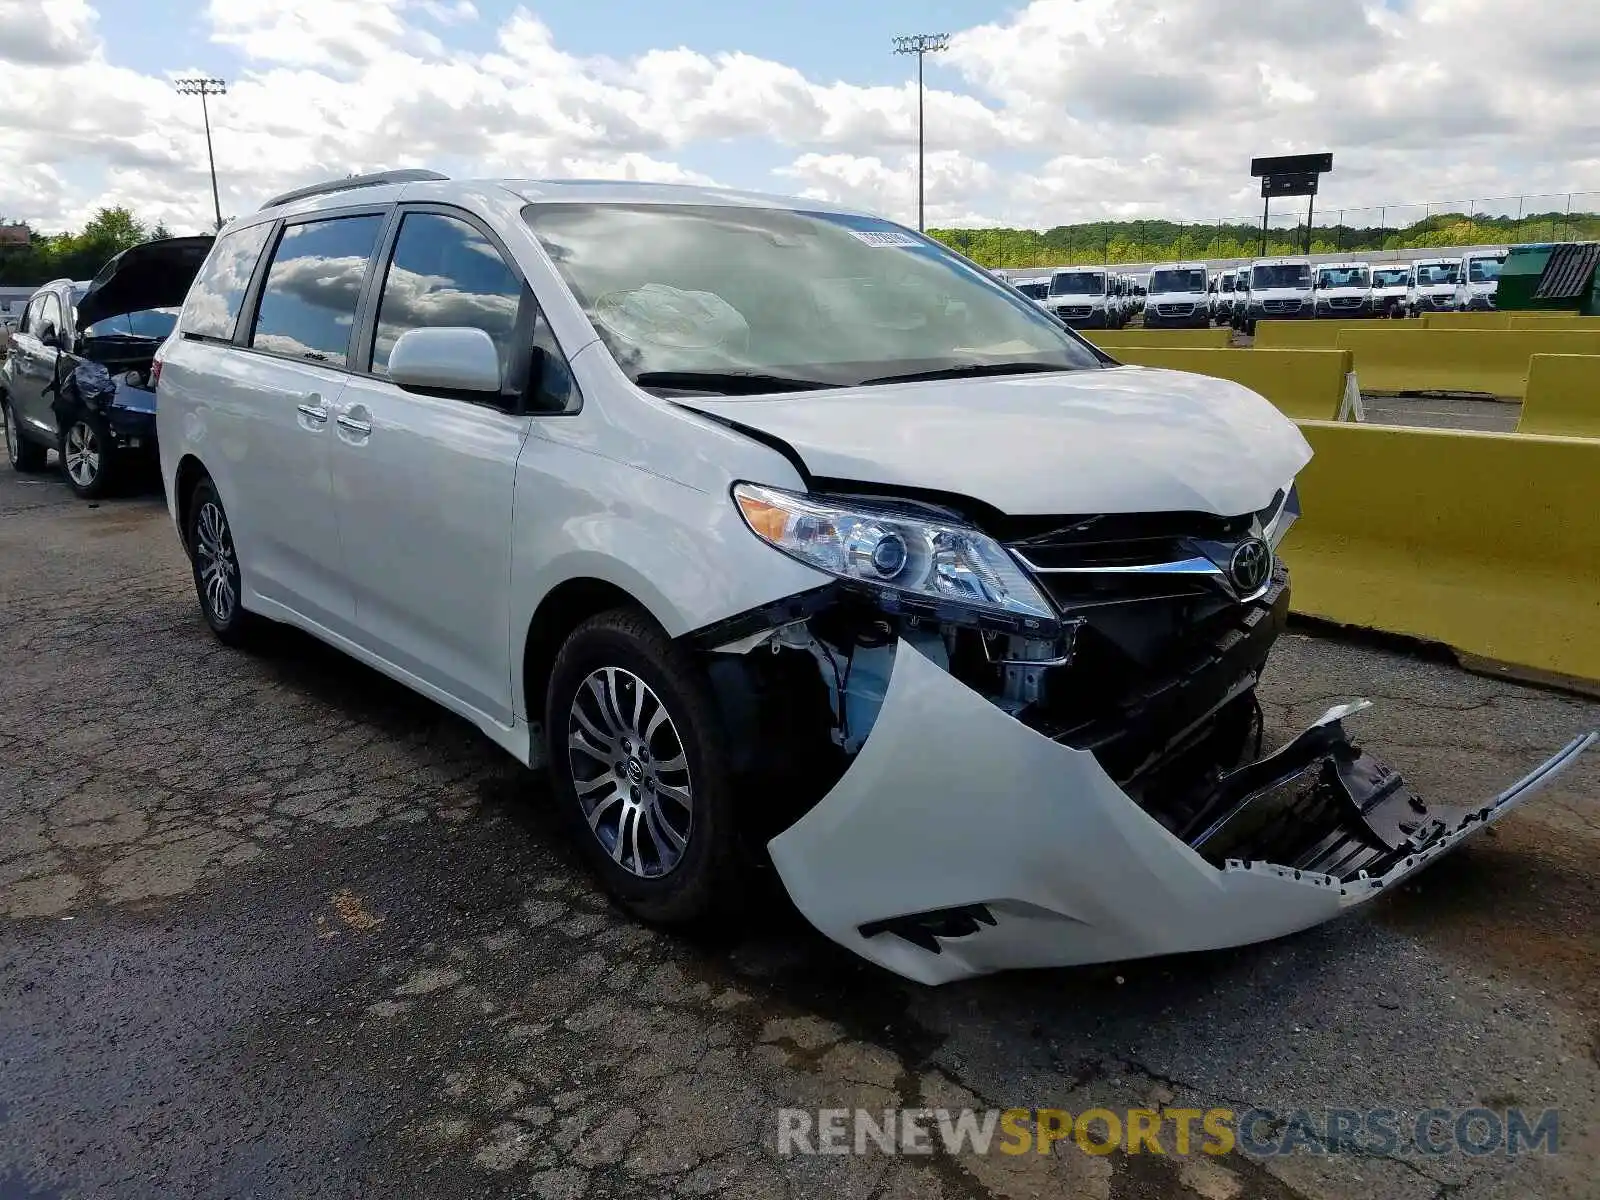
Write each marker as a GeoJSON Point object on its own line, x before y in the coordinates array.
{"type": "Point", "coordinates": [884, 237]}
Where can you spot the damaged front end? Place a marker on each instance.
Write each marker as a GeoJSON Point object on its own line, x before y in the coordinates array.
{"type": "Point", "coordinates": [952, 789]}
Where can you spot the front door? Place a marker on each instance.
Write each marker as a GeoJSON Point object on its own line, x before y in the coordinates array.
{"type": "Point", "coordinates": [425, 482]}
{"type": "Point", "coordinates": [33, 367]}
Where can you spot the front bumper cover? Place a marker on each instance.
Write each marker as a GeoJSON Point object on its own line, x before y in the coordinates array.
{"type": "Point", "coordinates": [960, 842]}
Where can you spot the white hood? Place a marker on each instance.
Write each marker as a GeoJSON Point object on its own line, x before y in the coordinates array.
{"type": "Point", "coordinates": [1123, 439]}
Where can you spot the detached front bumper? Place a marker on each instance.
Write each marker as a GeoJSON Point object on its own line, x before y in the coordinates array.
{"type": "Point", "coordinates": [960, 842]}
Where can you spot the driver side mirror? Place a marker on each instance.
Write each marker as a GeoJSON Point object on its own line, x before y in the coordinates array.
{"type": "Point", "coordinates": [445, 359]}
{"type": "Point", "coordinates": [51, 337]}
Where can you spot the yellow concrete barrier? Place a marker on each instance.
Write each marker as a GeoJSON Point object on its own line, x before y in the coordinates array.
{"type": "Point", "coordinates": [1309, 335]}
{"type": "Point", "coordinates": [1541, 320]}
{"type": "Point", "coordinates": [1195, 338]}
{"type": "Point", "coordinates": [1306, 384]}
{"type": "Point", "coordinates": [1482, 541]}
{"type": "Point", "coordinates": [1493, 361]}
{"type": "Point", "coordinates": [1470, 320]}
{"type": "Point", "coordinates": [1509, 320]}
{"type": "Point", "coordinates": [1563, 397]}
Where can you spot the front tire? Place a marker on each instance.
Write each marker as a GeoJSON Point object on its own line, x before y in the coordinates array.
{"type": "Point", "coordinates": [88, 459]}
{"type": "Point", "coordinates": [26, 457]}
{"type": "Point", "coordinates": [636, 749]}
{"type": "Point", "coordinates": [215, 564]}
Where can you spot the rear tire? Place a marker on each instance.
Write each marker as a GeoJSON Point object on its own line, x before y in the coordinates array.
{"type": "Point", "coordinates": [215, 565]}
{"type": "Point", "coordinates": [88, 458]}
{"type": "Point", "coordinates": [25, 456]}
{"type": "Point", "coordinates": [638, 764]}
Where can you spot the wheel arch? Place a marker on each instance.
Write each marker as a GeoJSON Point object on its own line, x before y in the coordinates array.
{"type": "Point", "coordinates": [563, 608]}
{"type": "Point", "coordinates": [184, 480]}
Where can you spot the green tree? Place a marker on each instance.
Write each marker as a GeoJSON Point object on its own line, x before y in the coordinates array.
{"type": "Point", "coordinates": [73, 256]}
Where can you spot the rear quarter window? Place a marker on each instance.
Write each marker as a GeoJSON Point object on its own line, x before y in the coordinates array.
{"type": "Point", "coordinates": [214, 301]}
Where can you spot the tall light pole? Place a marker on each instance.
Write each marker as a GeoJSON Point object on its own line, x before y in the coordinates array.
{"type": "Point", "coordinates": [921, 44]}
{"type": "Point", "coordinates": [203, 88]}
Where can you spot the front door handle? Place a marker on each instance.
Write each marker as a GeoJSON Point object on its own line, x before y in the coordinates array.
{"type": "Point", "coordinates": [346, 421]}
{"type": "Point", "coordinates": [312, 413]}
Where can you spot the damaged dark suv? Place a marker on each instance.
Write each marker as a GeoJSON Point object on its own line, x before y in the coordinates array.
{"type": "Point", "coordinates": [785, 537]}
{"type": "Point", "coordinates": [79, 375]}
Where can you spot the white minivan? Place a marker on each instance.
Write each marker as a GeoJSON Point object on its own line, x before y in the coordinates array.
{"type": "Point", "coordinates": [799, 549]}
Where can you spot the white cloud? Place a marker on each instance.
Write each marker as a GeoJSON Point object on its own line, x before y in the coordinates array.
{"type": "Point", "coordinates": [50, 35]}
{"type": "Point", "coordinates": [1061, 110]}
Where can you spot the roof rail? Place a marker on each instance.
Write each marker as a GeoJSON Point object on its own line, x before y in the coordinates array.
{"type": "Point", "coordinates": [376, 179]}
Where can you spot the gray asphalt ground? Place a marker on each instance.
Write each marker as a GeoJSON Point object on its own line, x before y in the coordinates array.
{"type": "Point", "coordinates": [272, 926]}
{"type": "Point", "coordinates": [1443, 412]}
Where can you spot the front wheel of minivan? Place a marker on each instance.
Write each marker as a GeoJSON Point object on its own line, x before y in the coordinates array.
{"type": "Point", "coordinates": [637, 762]}
{"type": "Point", "coordinates": [215, 563]}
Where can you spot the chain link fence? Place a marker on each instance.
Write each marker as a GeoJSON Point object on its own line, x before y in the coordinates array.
{"type": "Point", "coordinates": [1497, 220]}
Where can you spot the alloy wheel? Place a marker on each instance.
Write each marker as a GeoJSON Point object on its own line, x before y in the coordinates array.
{"type": "Point", "coordinates": [630, 772]}
{"type": "Point", "coordinates": [82, 453]}
{"type": "Point", "coordinates": [214, 560]}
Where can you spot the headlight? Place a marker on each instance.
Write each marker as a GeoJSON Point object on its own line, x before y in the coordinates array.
{"type": "Point", "coordinates": [934, 560]}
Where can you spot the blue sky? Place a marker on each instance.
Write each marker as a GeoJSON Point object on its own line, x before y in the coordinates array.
{"type": "Point", "coordinates": [1043, 111]}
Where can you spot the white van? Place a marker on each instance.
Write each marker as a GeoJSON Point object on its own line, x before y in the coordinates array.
{"type": "Point", "coordinates": [796, 549]}
{"type": "Point", "coordinates": [1222, 296]}
{"type": "Point", "coordinates": [1391, 289]}
{"type": "Point", "coordinates": [1179, 297]}
{"type": "Point", "coordinates": [1343, 290]}
{"type": "Point", "coordinates": [1280, 290]}
{"type": "Point", "coordinates": [1479, 280]}
{"type": "Point", "coordinates": [1433, 285]}
{"type": "Point", "coordinates": [1034, 287]}
{"type": "Point", "coordinates": [1081, 297]}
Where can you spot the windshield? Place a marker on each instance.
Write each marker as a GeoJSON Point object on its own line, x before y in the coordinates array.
{"type": "Point", "coordinates": [1227, 283]}
{"type": "Point", "coordinates": [1483, 270]}
{"type": "Point", "coordinates": [1284, 275]}
{"type": "Point", "coordinates": [809, 296]}
{"type": "Point", "coordinates": [1391, 277]}
{"type": "Point", "coordinates": [1343, 277]}
{"type": "Point", "coordinates": [1077, 283]}
{"type": "Point", "coordinates": [153, 323]}
{"type": "Point", "coordinates": [1035, 290]}
{"type": "Point", "coordinates": [1430, 274]}
{"type": "Point", "coordinates": [1178, 281]}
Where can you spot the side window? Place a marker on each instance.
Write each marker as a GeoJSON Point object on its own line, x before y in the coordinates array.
{"type": "Point", "coordinates": [30, 316]}
{"type": "Point", "coordinates": [556, 391]}
{"type": "Point", "coordinates": [49, 315]}
{"type": "Point", "coordinates": [445, 273]}
{"type": "Point", "coordinates": [212, 309]}
{"type": "Point", "coordinates": [308, 303]}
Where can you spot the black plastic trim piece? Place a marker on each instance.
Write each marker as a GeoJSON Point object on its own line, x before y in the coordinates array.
{"type": "Point", "coordinates": [924, 929]}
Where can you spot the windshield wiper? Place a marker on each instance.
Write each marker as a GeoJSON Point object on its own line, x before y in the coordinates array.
{"type": "Point", "coordinates": [729, 383]}
{"type": "Point", "coordinates": [968, 369]}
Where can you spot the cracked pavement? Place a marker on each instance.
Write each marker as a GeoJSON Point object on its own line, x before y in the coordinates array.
{"type": "Point", "coordinates": [272, 926]}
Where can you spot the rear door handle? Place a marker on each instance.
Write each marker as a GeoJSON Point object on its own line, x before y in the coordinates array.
{"type": "Point", "coordinates": [346, 421]}
{"type": "Point", "coordinates": [312, 413]}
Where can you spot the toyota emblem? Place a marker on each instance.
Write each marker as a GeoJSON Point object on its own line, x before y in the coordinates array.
{"type": "Point", "coordinates": [1250, 567]}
